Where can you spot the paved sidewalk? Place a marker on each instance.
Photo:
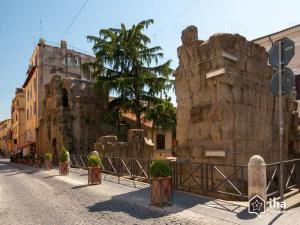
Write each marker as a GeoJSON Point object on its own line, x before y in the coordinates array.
{"type": "Point", "coordinates": [189, 204]}
{"type": "Point", "coordinates": [188, 207]}
{"type": "Point", "coordinates": [200, 207]}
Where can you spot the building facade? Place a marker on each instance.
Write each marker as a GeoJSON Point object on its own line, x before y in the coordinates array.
{"type": "Point", "coordinates": [45, 62]}
{"type": "Point", "coordinates": [294, 34]}
{"type": "Point", "coordinates": [5, 136]}
{"type": "Point", "coordinates": [18, 120]}
{"type": "Point", "coordinates": [162, 140]}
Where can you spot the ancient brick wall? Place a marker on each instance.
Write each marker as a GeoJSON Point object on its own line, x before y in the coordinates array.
{"type": "Point", "coordinates": [225, 110]}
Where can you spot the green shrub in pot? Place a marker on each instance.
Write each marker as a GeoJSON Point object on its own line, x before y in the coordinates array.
{"type": "Point", "coordinates": [160, 168]}
{"type": "Point", "coordinates": [48, 156]}
{"type": "Point", "coordinates": [94, 160]}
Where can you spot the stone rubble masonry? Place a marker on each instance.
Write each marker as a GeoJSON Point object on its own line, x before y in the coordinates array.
{"type": "Point", "coordinates": [72, 116]}
{"type": "Point", "coordinates": [136, 147]}
{"type": "Point", "coordinates": [225, 110]}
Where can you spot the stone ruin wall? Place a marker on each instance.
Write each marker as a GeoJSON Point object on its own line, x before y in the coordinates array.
{"type": "Point", "coordinates": [225, 110]}
{"type": "Point", "coordinates": [137, 146]}
{"type": "Point", "coordinates": [75, 125]}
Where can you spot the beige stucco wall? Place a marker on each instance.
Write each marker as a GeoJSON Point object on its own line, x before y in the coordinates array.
{"type": "Point", "coordinates": [293, 34]}
{"type": "Point", "coordinates": [168, 137]}
{"type": "Point", "coordinates": [5, 127]}
{"type": "Point", "coordinates": [18, 118]}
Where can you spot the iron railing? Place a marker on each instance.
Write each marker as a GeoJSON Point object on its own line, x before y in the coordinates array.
{"type": "Point", "coordinates": [186, 176]}
{"type": "Point", "coordinates": [289, 178]}
{"type": "Point", "coordinates": [204, 178]}
{"type": "Point", "coordinates": [201, 178]}
{"type": "Point", "coordinates": [129, 168]}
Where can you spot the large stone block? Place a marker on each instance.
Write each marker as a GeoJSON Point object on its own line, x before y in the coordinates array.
{"type": "Point", "coordinates": [108, 139]}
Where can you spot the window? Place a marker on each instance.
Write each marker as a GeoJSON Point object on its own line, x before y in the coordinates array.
{"type": "Point", "coordinates": [27, 95]}
{"type": "Point", "coordinates": [69, 60]}
{"type": "Point", "coordinates": [30, 91]}
{"type": "Point", "coordinates": [76, 62]}
{"type": "Point", "coordinates": [17, 103]}
{"type": "Point", "coordinates": [34, 83]}
{"type": "Point", "coordinates": [30, 111]}
{"type": "Point", "coordinates": [34, 108]}
{"type": "Point", "coordinates": [27, 114]}
{"type": "Point", "coordinates": [16, 117]}
{"type": "Point", "coordinates": [160, 141]}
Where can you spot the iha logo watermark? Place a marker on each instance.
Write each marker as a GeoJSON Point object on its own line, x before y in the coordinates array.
{"type": "Point", "coordinates": [257, 205]}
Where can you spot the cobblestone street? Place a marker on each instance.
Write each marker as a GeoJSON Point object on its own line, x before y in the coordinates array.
{"type": "Point", "coordinates": [29, 196]}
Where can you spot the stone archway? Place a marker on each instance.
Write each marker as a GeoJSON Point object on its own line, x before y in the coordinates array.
{"type": "Point", "coordinates": [55, 152]}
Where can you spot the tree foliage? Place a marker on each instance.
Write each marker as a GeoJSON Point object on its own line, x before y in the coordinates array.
{"type": "Point", "coordinates": [128, 67]}
{"type": "Point", "coordinates": [163, 116]}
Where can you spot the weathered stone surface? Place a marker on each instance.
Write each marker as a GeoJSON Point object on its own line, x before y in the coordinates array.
{"type": "Point", "coordinates": [108, 139]}
{"type": "Point", "coordinates": [257, 179]}
{"type": "Point", "coordinates": [224, 102]}
{"type": "Point", "coordinates": [71, 117]}
{"type": "Point", "coordinates": [136, 142]}
{"type": "Point", "coordinates": [94, 153]}
{"type": "Point", "coordinates": [189, 35]}
{"type": "Point", "coordinates": [136, 147]}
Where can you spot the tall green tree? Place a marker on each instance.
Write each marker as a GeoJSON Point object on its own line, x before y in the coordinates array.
{"type": "Point", "coordinates": [163, 116]}
{"type": "Point", "coordinates": [128, 67]}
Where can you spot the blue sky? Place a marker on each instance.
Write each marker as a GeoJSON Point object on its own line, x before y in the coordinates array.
{"type": "Point", "coordinates": [20, 26]}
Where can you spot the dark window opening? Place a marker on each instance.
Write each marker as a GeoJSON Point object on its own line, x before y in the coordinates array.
{"type": "Point", "coordinates": [65, 98]}
{"type": "Point", "coordinates": [160, 141]}
{"type": "Point", "coordinates": [297, 84]}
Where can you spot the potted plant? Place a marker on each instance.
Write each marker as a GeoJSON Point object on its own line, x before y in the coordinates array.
{"type": "Point", "coordinates": [160, 183]}
{"type": "Point", "coordinates": [12, 158]}
{"type": "Point", "coordinates": [38, 161]}
{"type": "Point", "coordinates": [64, 164]}
{"type": "Point", "coordinates": [94, 172]}
{"type": "Point", "coordinates": [25, 160]}
{"type": "Point", "coordinates": [30, 160]}
{"type": "Point", "coordinates": [48, 161]}
{"type": "Point", "coordinates": [18, 158]}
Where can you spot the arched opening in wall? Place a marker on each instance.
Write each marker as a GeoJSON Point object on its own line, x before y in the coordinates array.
{"type": "Point", "coordinates": [55, 152]}
{"type": "Point", "coordinates": [65, 98]}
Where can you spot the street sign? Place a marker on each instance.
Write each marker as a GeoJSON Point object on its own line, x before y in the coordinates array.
{"type": "Point", "coordinates": [287, 49]}
{"type": "Point", "coordinates": [288, 81]}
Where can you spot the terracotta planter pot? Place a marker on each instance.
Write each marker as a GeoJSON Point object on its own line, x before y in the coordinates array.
{"type": "Point", "coordinates": [64, 168]}
{"type": "Point", "coordinates": [48, 165]}
{"type": "Point", "coordinates": [161, 191]}
{"type": "Point", "coordinates": [30, 162]}
{"type": "Point", "coordinates": [94, 175]}
{"type": "Point", "coordinates": [38, 163]}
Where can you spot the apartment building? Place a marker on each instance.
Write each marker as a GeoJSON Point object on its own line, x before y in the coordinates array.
{"type": "Point", "coordinates": [18, 119]}
{"type": "Point", "coordinates": [45, 62]}
{"type": "Point", "coordinates": [294, 34]}
{"type": "Point", "coordinates": [5, 136]}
